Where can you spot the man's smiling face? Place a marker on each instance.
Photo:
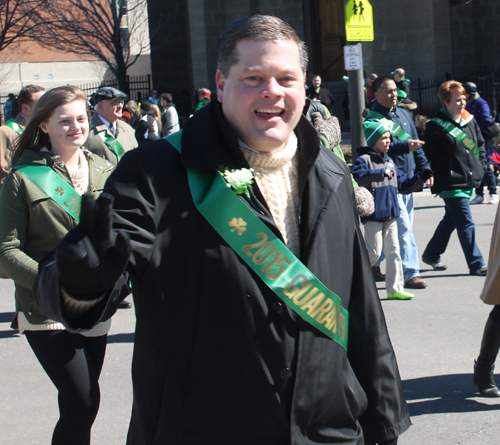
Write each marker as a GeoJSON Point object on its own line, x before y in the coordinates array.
{"type": "Point", "coordinates": [263, 95]}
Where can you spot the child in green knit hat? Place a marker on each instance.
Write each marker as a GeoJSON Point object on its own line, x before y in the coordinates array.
{"type": "Point", "coordinates": [376, 171]}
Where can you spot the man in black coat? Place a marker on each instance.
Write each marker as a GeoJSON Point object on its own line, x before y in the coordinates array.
{"type": "Point", "coordinates": [320, 93]}
{"type": "Point", "coordinates": [220, 356]}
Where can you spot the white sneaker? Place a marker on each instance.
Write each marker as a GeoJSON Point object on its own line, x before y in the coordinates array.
{"type": "Point", "coordinates": [494, 199]}
{"type": "Point", "coordinates": [478, 199]}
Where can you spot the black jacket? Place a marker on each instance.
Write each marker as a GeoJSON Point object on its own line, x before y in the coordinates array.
{"type": "Point", "coordinates": [322, 96]}
{"type": "Point", "coordinates": [218, 357]}
{"type": "Point", "coordinates": [455, 167]}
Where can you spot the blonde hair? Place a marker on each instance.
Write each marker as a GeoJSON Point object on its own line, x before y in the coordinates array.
{"type": "Point", "coordinates": [158, 115]}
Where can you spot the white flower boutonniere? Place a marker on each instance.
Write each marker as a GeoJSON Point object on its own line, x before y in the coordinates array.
{"type": "Point", "coordinates": [239, 180]}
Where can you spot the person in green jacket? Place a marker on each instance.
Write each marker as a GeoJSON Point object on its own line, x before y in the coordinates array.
{"type": "Point", "coordinates": [33, 219]}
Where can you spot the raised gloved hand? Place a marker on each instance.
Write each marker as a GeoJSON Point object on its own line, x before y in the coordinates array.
{"type": "Point", "coordinates": [426, 174]}
{"type": "Point", "coordinates": [90, 257]}
{"type": "Point", "coordinates": [388, 173]}
{"type": "Point", "coordinates": [329, 128]}
{"type": "Point", "coordinates": [364, 201]}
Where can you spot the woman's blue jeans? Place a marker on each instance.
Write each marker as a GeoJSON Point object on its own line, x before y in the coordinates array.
{"type": "Point", "coordinates": [457, 216]}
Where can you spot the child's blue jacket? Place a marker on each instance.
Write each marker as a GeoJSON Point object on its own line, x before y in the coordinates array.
{"type": "Point", "coordinates": [368, 171]}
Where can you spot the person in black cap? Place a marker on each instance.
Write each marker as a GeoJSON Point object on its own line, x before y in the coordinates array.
{"type": "Point", "coordinates": [109, 136]}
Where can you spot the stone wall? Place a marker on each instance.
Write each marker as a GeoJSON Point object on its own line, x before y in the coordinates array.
{"type": "Point", "coordinates": [427, 38]}
{"type": "Point", "coordinates": [184, 53]}
{"type": "Point", "coordinates": [475, 35]}
{"type": "Point", "coordinates": [414, 35]}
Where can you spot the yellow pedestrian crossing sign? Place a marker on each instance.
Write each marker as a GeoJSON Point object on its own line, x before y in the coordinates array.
{"type": "Point", "coordinates": [359, 21]}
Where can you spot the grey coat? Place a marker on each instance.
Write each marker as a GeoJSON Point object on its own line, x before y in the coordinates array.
{"type": "Point", "coordinates": [125, 135]}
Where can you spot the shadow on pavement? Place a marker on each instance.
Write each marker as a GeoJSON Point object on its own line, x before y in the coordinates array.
{"type": "Point", "coordinates": [443, 275]}
{"type": "Point", "coordinates": [121, 338]}
{"type": "Point", "coordinates": [6, 317]}
{"type": "Point", "coordinates": [11, 333]}
{"type": "Point", "coordinates": [453, 393]}
{"type": "Point", "coordinates": [428, 207]}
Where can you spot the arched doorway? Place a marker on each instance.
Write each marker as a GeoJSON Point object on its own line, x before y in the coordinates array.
{"type": "Point", "coordinates": [328, 38]}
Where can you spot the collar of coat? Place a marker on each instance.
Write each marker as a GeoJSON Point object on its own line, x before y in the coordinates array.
{"type": "Point", "coordinates": [48, 158]}
{"type": "Point", "coordinates": [97, 165]}
{"type": "Point", "coordinates": [208, 143]}
{"type": "Point", "coordinates": [370, 151]}
{"type": "Point", "coordinates": [389, 113]}
{"type": "Point", "coordinates": [465, 117]}
{"type": "Point", "coordinates": [101, 126]}
{"type": "Point", "coordinates": [209, 124]}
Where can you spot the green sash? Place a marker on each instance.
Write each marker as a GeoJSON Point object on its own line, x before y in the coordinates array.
{"type": "Point", "coordinates": [459, 135]}
{"type": "Point", "coordinates": [266, 254]}
{"type": "Point", "coordinates": [394, 128]}
{"type": "Point", "coordinates": [111, 142]}
{"type": "Point", "coordinates": [54, 186]}
{"type": "Point", "coordinates": [11, 123]}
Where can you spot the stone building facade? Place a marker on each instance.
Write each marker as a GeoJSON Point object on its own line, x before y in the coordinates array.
{"type": "Point", "coordinates": [427, 38]}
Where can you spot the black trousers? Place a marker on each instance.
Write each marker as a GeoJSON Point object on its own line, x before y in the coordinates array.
{"type": "Point", "coordinates": [73, 363]}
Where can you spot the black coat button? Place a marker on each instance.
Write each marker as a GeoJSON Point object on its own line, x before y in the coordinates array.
{"type": "Point", "coordinates": [286, 374]}
{"type": "Point", "coordinates": [277, 307]}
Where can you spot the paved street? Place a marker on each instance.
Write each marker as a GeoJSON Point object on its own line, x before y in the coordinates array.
{"type": "Point", "coordinates": [436, 337]}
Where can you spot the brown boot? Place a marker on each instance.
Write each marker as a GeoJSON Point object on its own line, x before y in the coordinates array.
{"type": "Point", "coordinates": [484, 366]}
{"type": "Point", "coordinates": [416, 283]}
{"type": "Point", "coordinates": [377, 274]}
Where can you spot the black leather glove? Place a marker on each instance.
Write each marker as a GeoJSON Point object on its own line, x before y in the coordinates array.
{"type": "Point", "coordinates": [90, 257]}
{"type": "Point", "coordinates": [426, 174]}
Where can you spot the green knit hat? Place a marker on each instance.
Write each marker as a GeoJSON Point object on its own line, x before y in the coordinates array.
{"type": "Point", "coordinates": [373, 130]}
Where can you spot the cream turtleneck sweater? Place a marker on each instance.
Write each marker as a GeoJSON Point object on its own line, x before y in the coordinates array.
{"type": "Point", "coordinates": [277, 178]}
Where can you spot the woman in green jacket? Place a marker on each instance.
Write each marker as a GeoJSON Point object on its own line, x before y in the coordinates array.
{"type": "Point", "coordinates": [39, 204]}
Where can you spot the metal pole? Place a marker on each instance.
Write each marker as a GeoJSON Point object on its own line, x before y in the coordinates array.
{"type": "Point", "coordinates": [356, 107]}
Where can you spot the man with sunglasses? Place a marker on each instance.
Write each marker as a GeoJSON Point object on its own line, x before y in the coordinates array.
{"type": "Point", "coordinates": [109, 136]}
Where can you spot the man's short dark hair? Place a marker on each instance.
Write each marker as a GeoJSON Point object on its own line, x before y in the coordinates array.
{"type": "Point", "coordinates": [167, 97]}
{"type": "Point", "coordinates": [378, 83]}
{"type": "Point", "coordinates": [259, 28]}
{"type": "Point", "coordinates": [26, 95]}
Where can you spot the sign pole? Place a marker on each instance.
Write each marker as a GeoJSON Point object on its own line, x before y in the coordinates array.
{"type": "Point", "coordinates": [356, 106]}
{"type": "Point", "coordinates": [359, 28]}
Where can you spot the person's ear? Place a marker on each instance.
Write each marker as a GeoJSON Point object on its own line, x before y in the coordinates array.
{"type": "Point", "coordinates": [220, 83]}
